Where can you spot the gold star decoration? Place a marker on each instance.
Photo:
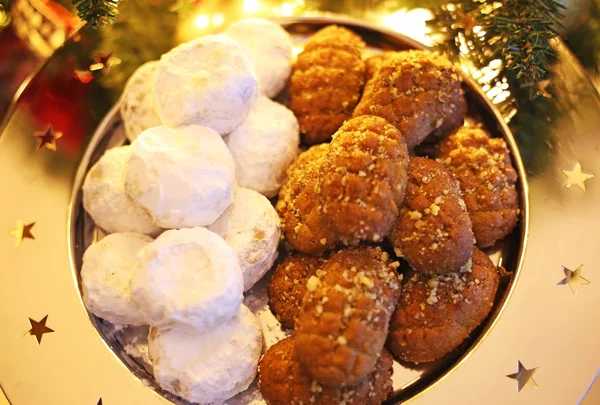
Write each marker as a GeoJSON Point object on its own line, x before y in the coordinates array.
{"type": "Point", "coordinates": [48, 138]}
{"type": "Point", "coordinates": [22, 232]}
{"type": "Point", "coordinates": [104, 62]}
{"type": "Point", "coordinates": [524, 376]}
{"type": "Point", "coordinates": [38, 329]}
{"type": "Point", "coordinates": [576, 177]}
{"type": "Point", "coordinates": [573, 278]}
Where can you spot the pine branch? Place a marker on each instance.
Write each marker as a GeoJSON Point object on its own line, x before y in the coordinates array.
{"type": "Point", "coordinates": [518, 31]}
{"type": "Point", "coordinates": [97, 13]}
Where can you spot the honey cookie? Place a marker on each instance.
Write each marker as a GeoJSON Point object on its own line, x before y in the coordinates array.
{"type": "Point", "coordinates": [362, 179]}
{"type": "Point", "coordinates": [288, 286]}
{"type": "Point", "coordinates": [436, 313]}
{"type": "Point", "coordinates": [419, 92]}
{"type": "Point", "coordinates": [283, 381]}
{"type": "Point", "coordinates": [343, 323]}
{"type": "Point", "coordinates": [327, 81]}
{"type": "Point", "coordinates": [483, 167]}
{"type": "Point", "coordinates": [434, 232]}
{"type": "Point", "coordinates": [305, 226]}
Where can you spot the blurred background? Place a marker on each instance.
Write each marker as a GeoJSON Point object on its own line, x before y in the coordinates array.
{"type": "Point", "coordinates": [31, 30]}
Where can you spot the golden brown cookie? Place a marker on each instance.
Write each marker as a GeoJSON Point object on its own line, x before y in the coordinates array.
{"type": "Point", "coordinates": [283, 381]}
{"type": "Point", "coordinates": [362, 179]}
{"type": "Point", "coordinates": [288, 286]}
{"type": "Point", "coordinates": [436, 313]}
{"type": "Point", "coordinates": [433, 232]}
{"type": "Point", "coordinates": [304, 225]}
{"type": "Point", "coordinates": [327, 82]}
{"type": "Point", "coordinates": [419, 92]}
{"type": "Point", "coordinates": [344, 318]}
{"type": "Point", "coordinates": [487, 178]}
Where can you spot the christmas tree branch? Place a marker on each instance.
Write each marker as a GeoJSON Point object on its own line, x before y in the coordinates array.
{"type": "Point", "coordinates": [518, 31]}
{"type": "Point", "coordinates": [97, 13]}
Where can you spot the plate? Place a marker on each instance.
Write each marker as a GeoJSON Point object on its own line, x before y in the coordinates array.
{"type": "Point", "coordinates": [87, 360]}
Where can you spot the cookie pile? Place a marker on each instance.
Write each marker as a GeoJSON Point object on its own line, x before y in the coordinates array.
{"type": "Point", "coordinates": [357, 207]}
{"type": "Point", "coordinates": [381, 245]}
{"type": "Point", "coordinates": [208, 148]}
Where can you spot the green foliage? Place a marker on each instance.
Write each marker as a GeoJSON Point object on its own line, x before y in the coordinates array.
{"type": "Point", "coordinates": [517, 31]}
{"type": "Point", "coordinates": [97, 13]}
{"type": "Point", "coordinates": [143, 31]}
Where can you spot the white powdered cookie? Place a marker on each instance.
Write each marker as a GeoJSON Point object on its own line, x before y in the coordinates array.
{"type": "Point", "coordinates": [104, 196]}
{"type": "Point", "coordinates": [264, 146]}
{"type": "Point", "coordinates": [183, 177]}
{"type": "Point", "coordinates": [270, 48]}
{"type": "Point", "coordinates": [137, 102]}
{"type": "Point", "coordinates": [209, 81]}
{"type": "Point", "coordinates": [208, 367]}
{"type": "Point", "coordinates": [187, 278]}
{"type": "Point", "coordinates": [251, 227]}
{"type": "Point", "coordinates": [108, 267]}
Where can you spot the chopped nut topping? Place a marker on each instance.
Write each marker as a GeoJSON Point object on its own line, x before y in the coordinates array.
{"type": "Point", "coordinates": [312, 284]}
{"type": "Point", "coordinates": [415, 215]}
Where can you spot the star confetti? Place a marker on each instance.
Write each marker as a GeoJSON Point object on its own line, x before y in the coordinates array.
{"type": "Point", "coordinates": [524, 377]}
{"type": "Point", "coordinates": [84, 76]}
{"type": "Point", "coordinates": [48, 138]}
{"type": "Point", "coordinates": [573, 278]}
{"type": "Point", "coordinates": [22, 232]}
{"type": "Point", "coordinates": [576, 177]}
{"type": "Point", "coordinates": [104, 62]}
{"type": "Point", "coordinates": [38, 329]}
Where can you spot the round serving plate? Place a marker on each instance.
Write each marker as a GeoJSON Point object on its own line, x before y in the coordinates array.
{"type": "Point", "coordinates": [408, 379]}
{"type": "Point", "coordinates": [52, 353]}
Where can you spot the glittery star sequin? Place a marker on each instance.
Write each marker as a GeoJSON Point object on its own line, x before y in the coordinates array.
{"type": "Point", "coordinates": [104, 62]}
{"type": "Point", "coordinates": [38, 329]}
{"type": "Point", "coordinates": [576, 177]}
{"type": "Point", "coordinates": [573, 278]}
{"type": "Point", "coordinates": [524, 377]}
{"type": "Point", "coordinates": [48, 138]}
{"type": "Point", "coordinates": [21, 232]}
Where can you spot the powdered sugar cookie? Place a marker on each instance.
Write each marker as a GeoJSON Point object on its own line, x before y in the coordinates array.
{"type": "Point", "coordinates": [188, 278]}
{"type": "Point", "coordinates": [270, 48]}
{"type": "Point", "coordinates": [263, 146]}
{"type": "Point", "coordinates": [137, 103]}
{"type": "Point", "coordinates": [184, 177]}
{"type": "Point", "coordinates": [107, 270]}
{"type": "Point", "coordinates": [211, 366]}
{"type": "Point", "coordinates": [251, 227]}
{"type": "Point", "coordinates": [209, 81]}
{"type": "Point", "coordinates": [105, 200]}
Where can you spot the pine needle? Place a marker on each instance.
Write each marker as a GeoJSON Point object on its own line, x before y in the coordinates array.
{"type": "Point", "coordinates": [97, 13]}
{"type": "Point", "coordinates": [517, 30]}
